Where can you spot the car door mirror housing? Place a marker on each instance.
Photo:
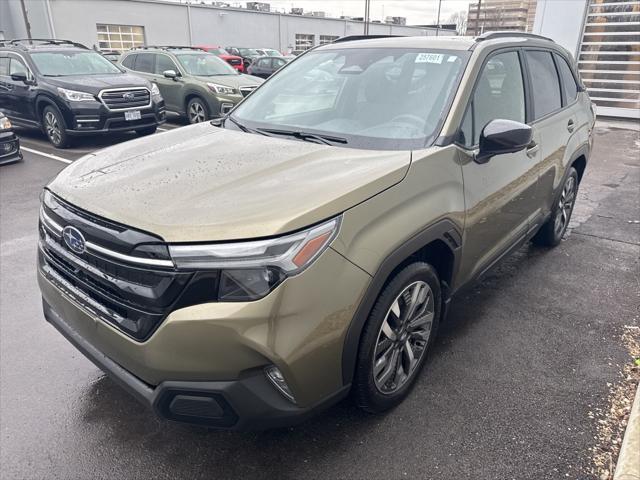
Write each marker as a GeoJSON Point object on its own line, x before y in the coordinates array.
{"type": "Point", "coordinates": [170, 74]}
{"type": "Point", "coordinates": [502, 136]}
{"type": "Point", "coordinates": [19, 77]}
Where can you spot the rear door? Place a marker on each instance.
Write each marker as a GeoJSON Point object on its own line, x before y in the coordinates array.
{"type": "Point", "coordinates": [555, 108]}
{"type": "Point", "coordinates": [500, 195]}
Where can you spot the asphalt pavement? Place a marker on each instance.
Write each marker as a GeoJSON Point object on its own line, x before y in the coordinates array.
{"type": "Point", "coordinates": [506, 392]}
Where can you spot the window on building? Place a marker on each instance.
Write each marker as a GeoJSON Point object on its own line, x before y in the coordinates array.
{"type": "Point", "coordinates": [544, 82]}
{"type": "Point", "coordinates": [164, 63]}
{"type": "Point", "coordinates": [568, 80]}
{"type": "Point", "coordinates": [4, 66]}
{"type": "Point", "coordinates": [304, 41]}
{"type": "Point", "coordinates": [324, 39]}
{"type": "Point", "coordinates": [120, 37]}
{"type": "Point", "coordinates": [499, 94]}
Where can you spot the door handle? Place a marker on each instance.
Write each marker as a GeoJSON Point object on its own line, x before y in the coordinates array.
{"type": "Point", "coordinates": [532, 149]}
{"type": "Point", "coordinates": [571, 126]}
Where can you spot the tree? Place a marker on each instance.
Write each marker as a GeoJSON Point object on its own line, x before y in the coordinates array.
{"type": "Point", "coordinates": [460, 19]}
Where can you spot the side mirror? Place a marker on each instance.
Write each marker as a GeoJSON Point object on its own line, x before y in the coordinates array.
{"type": "Point", "coordinates": [502, 136]}
{"type": "Point", "coordinates": [19, 77]}
{"type": "Point", "coordinates": [170, 74]}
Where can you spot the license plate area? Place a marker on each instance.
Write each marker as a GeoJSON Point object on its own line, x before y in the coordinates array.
{"type": "Point", "coordinates": [132, 115]}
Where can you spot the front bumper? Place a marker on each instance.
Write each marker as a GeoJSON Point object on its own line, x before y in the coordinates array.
{"type": "Point", "coordinates": [247, 403]}
{"type": "Point", "coordinates": [220, 350]}
{"type": "Point", "coordinates": [9, 147]}
{"type": "Point", "coordinates": [94, 118]}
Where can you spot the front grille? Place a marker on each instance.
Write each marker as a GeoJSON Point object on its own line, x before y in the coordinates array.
{"type": "Point", "coordinates": [247, 90]}
{"type": "Point", "coordinates": [110, 279]}
{"type": "Point", "coordinates": [122, 99]}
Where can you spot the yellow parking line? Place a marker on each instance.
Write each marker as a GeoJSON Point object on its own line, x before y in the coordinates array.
{"type": "Point", "coordinates": [48, 155]}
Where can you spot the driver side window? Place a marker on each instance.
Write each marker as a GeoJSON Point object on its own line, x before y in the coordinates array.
{"type": "Point", "coordinates": [499, 93]}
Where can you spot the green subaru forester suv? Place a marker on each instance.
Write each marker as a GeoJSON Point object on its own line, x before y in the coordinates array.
{"type": "Point", "coordinates": [250, 273]}
{"type": "Point", "coordinates": [195, 84]}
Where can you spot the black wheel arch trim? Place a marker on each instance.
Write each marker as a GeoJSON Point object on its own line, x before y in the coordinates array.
{"type": "Point", "coordinates": [444, 230]}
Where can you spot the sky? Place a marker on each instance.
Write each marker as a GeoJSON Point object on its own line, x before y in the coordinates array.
{"type": "Point", "coordinates": [418, 12]}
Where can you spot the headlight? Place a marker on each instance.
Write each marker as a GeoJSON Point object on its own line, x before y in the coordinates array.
{"type": "Point", "coordinates": [155, 91]}
{"type": "Point", "coordinates": [74, 96]}
{"type": "Point", "coordinates": [250, 270]}
{"type": "Point", "coordinates": [5, 123]}
{"type": "Point", "coordinates": [222, 89]}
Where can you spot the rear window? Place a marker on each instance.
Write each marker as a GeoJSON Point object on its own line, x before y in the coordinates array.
{"type": "Point", "coordinates": [568, 80]}
{"type": "Point", "coordinates": [544, 82]}
{"type": "Point", "coordinates": [129, 62]}
{"type": "Point", "coordinates": [145, 62]}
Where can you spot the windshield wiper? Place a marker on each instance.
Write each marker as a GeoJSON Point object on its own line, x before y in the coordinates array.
{"type": "Point", "coordinates": [306, 136]}
{"type": "Point", "coordinates": [242, 127]}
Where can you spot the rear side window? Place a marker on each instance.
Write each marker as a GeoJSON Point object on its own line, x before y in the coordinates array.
{"type": "Point", "coordinates": [568, 80]}
{"type": "Point", "coordinates": [499, 94]}
{"type": "Point", "coordinates": [544, 82]}
{"type": "Point", "coordinates": [164, 63]}
{"type": "Point", "coordinates": [129, 62]}
{"type": "Point", "coordinates": [145, 62]}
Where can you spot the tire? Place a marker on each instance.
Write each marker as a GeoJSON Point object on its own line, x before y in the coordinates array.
{"type": "Point", "coordinates": [553, 230]}
{"type": "Point", "coordinates": [147, 131]}
{"type": "Point", "coordinates": [379, 382]}
{"type": "Point", "coordinates": [197, 111]}
{"type": "Point", "coordinates": [54, 127]}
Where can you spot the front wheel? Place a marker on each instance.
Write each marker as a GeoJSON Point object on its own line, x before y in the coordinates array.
{"type": "Point", "coordinates": [197, 111]}
{"type": "Point", "coordinates": [401, 328]}
{"type": "Point", "coordinates": [54, 127]}
{"type": "Point", "coordinates": [553, 230]}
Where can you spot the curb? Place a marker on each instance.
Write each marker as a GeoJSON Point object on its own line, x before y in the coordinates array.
{"type": "Point", "coordinates": [628, 466]}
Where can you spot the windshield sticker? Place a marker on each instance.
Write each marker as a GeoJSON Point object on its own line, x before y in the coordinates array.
{"type": "Point", "coordinates": [429, 58]}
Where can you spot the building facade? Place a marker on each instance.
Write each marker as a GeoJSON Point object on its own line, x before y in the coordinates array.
{"type": "Point", "coordinates": [604, 36]}
{"type": "Point", "coordinates": [123, 24]}
{"type": "Point", "coordinates": [494, 15]}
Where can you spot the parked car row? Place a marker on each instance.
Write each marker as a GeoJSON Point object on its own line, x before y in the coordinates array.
{"type": "Point", "coordinates": [68, 90]}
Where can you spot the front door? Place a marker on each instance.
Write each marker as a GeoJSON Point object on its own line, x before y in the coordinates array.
{"type": "Point", "coordinates": [500, 195]}
{"type": "Point", "coordinates": [171, 89]}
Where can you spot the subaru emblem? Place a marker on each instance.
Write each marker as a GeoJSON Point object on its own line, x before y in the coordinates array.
{"type": "Point", "coordinates": [128, 96]}
{"type": "Point", "coordinates": [74, 239]}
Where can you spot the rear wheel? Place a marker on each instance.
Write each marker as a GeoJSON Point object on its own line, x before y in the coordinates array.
{"type": "Point", "coordinates": [553, 230]}
{"type": "Point", "coordinates": [54, 127]}
{"type": "Point", "coordinates": [396, 338]}
{"type": "Point", "coordinates": [197, 111]}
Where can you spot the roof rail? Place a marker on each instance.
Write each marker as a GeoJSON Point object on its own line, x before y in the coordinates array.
{"type": "Point", "coordinates": [507, 34]}
{"type": "Point", "coordinates": [353, 38]}
{"type": "Point", "coordinates": [166, 47]}
{"type": "Point", "coordinates": [31, 42]}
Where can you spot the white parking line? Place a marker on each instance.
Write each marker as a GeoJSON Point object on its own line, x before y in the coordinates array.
{"type": "Point", "coordinates": [164, 129]}
{"type": "Point", "coordinates": [48, 155]}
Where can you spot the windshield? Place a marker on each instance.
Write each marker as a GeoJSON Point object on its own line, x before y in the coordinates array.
{"type": "Point", "coordinates": [383, 98]}
{"type": "Point", "coordinates": [205, 65]}
{"type": "Point", "coordinates": [66, 63]}
{"type": "Point", "coordinates": [218, 51]}
{"type": "Point", "coordinates": [272, 53]}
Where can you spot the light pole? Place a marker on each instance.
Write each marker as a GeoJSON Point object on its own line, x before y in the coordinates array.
{"type": "Point", "coordinates": [367, 9]}
{"type": "Point", "coordinates": [438, 22]}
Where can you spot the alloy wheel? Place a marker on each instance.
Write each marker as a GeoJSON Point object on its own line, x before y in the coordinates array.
{"type": "Point", "coordinates": [52, 128]}
{"type": "Point", "coordinates": [196, 113]}
{"type": "Point", "coordinates": [565, 206]}
{"type": "Point", "coordinates": [403, 337]}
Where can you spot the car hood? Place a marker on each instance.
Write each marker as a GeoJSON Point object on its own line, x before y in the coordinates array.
{"type": "Point", "coordinates": [202, 183]}
{"type": "Point", "coordinates": [94, 83]}
{"type": "Point", "coordinates": [235, 81]}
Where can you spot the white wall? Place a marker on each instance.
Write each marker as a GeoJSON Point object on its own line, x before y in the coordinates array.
{"type": "Point", "coordinates": [562, 21]}
{"type": "Point", "coordinates": [168, 23]}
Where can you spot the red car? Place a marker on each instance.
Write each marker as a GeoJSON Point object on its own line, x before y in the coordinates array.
{"type": "Point", "coordinates": [233, 60]}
